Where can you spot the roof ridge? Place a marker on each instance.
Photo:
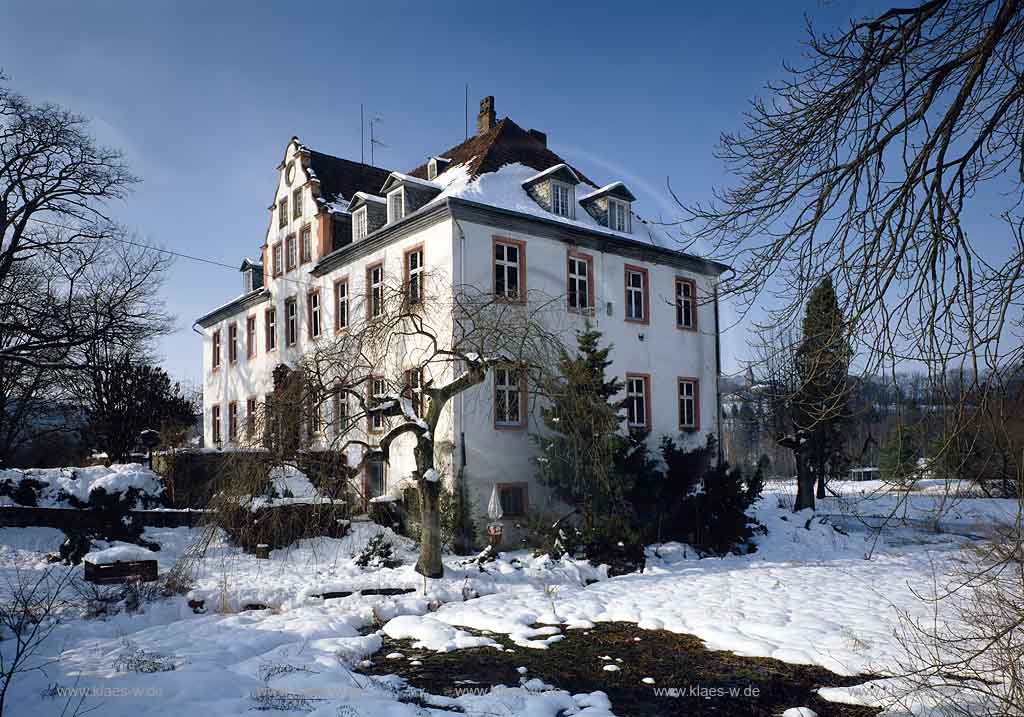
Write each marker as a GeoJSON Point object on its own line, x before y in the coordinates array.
{"type": "Point", "coordinates": [346, 160]}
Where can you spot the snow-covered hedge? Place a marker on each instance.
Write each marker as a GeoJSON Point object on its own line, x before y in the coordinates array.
{"type": "Point", "coordinates": [92, 486]}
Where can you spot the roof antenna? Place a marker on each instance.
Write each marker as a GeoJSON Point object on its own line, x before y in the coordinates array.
{"type": "Point", "coordinates": [362, 143]}
{"type": "Point", "coordinates": [373, 141]}
{"type": "Point", "coordinates": [465, 114]}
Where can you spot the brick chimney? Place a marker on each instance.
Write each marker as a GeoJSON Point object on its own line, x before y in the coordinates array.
{"type": "Point", "coordinates": [485, 120]}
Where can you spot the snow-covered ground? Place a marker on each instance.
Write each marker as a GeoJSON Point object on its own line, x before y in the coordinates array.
{"type": "Point", "coordinates": [808, 595]}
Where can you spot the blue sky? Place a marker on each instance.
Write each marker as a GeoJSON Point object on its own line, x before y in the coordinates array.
{"type": "Point", "coordinates": [202, 98]}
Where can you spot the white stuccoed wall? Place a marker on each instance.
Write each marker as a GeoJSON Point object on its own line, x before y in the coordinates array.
{"type": "Point", "coordinates": [492, 456]}
{"type": "Point", "coordinates": [666, 353]}
{"type": "Point", "coordinates": [252, 378]}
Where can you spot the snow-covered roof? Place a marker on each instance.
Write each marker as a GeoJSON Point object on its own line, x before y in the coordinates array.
{"type": "Point", "coordinates": [254, 296]}
{"type": "Point", "coordinates": [618, 188]}
{"type": "Point", "coordinates": [563, 167]}
{"type": "Point", "coordinates": [400, 178]}
{"type": "Point", "coordinates": [363, 196]}
{"type": "Point", "coordinates": [504, 189]}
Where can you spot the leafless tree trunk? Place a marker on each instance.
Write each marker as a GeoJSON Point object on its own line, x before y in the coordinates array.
{"type": "Point", "coordinates": [392, 373]}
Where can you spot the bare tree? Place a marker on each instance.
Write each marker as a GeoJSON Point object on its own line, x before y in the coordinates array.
{"type": "Point", "coordinates": [70, 279]}
{"type": "Point", "coordinates": [52, 175]}
{"type": "Point", "coordinates": [389, 377]}
{"type": "Point", "coordinates": [30, 607]}
{"type": "Point", "coordinates": [865, 163]}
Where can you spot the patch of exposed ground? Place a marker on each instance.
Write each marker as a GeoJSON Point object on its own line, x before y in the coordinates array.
{"type": "Point", "coordinates": [689, 679]}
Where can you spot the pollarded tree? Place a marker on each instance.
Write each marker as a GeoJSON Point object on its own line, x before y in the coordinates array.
{"type": "Point", "coordinates": [388, 375]}
{"type": "Point", "coordinates": [582, 420]}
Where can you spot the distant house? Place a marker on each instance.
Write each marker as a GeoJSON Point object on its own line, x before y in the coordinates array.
{"type": "Point", "coordinates": [501, 211]}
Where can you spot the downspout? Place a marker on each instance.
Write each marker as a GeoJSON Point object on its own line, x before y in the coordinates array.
{"type": "Point", "coordinates": [466, 540]}
{"type": "Point", "coordinates": [202, 413]}
{"type": "Point", "coordinates": [718, 380]}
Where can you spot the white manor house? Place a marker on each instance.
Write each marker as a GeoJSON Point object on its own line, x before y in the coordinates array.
{"type": "Point", "coordinates": [501, 212]}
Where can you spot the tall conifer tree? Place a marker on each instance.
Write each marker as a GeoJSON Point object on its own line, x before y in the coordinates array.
{"type": "Point", "coordinates": [578, 449]}
{"type": "Point", "coordinates": [823, 364]}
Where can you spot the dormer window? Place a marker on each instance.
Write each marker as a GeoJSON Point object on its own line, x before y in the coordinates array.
{"type": "Point", "coordinates": [369, 213]}
{"type": "Point", "coordinates": [252, 276]}
{"type": "Point", "coordinates": [359, 224]}
{"type": "Point", "coordinates": [618, 215]}
{"type": "Point", "coordinates": [555, 190]}
{"type": "Point", "coordinates": [561, 199]}
{"type": "Point", "coordinates": [396, 205]}
{"type": "Point", "coordinates": [611, 206]}
{"type": "Point", "coordinates": [436, 166]}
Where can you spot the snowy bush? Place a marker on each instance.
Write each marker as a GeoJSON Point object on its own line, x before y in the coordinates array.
{"type": "Point", "coordinates": [89, 487]}
{"type": "Point", "coordinates": [378, 553]}
{"type": "Point", "coordinates": [135, 659]}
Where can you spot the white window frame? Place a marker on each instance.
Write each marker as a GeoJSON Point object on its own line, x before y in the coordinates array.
{"type": "Point", "coordinates": [618, 215]}
{"type": "Point", "coordinates": [682, 286]}
{"type": "Point", "coordinates": [636, 402]}
{"type": "Point", "coordinates": [377, 388]}
{"type": "Point", "coordinates": [376, 291]}
{"type": "Point", "coordinates": [315, 322]}
{"type": "Point", "coordinates": [250, 336]}
{"type": "Point", "coordinates": [359, 224]}
{"type": "Point", "coordinates": [277, 259]}
{"type": "Point", "coordinates": [215, 349]}
{"type": "Point", "coordinates": [291, 252]}
{"type": "Point", "coordinates": [507, 384]}
{"type": "Point", "coordinates": [297, 204]}
{"type": "Point", "coordinates": [215, 427]}
{"type": "Point", "coordinates": [305, 244]}
{"type": "Point", "coordinates": [341, 304]}
{"type": "Point", "coordinates": [432, 169]}
{"type": "Point", "coordinates": [270, 317]}
{"type": "Point", "coordinates": [291, 322]}
{"type": "Point", "coordinates": [400, 209]}
{"type": "Point", "coordinates": [250, 417]}
{"type": "Point", "coordinates": [414, 276]}
{"type": "Point", "coordinates": [579, 284]}
{"type": "Point", "coordinates": [568, 212]}
{"type": "Point", "coordinates": [687, 399]}
{"type": "Point", "coordinates": [505, 268]}
{"type": "Point", "coordinates": [635, 296]}
{"type": "Point", "coordinates": [339, 412]}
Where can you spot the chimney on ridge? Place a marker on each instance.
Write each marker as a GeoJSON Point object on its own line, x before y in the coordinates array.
{"type": "Point", "coordinates": [485, 120]}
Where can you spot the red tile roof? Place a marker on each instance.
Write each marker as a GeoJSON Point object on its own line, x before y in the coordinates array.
{"type": "Point", "coordinates": [505, 143]}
